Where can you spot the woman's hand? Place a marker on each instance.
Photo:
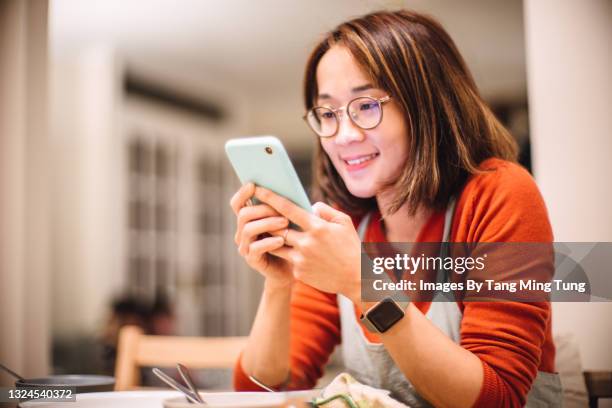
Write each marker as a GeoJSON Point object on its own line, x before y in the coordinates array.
{"type": "Point", "coordinates": [254, 221]}
{"type": "Point", "coordinates": [326, 254]}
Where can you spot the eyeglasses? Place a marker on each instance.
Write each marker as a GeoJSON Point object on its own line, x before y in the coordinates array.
{"type": "Point", "coordinates": [364, 111]}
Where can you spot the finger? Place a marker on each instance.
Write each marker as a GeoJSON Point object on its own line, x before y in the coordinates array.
{"type": "Point", "coordinates": [259, 247]}
{"type": "Point", "coordinates": [330, 214]}
{"type": "Point", "coordinates": [248, 214]}
{"type": "Point", "coordinates": [283, 252]}
{"type": "Point", "coordinates": [296, 214]}
{"type": "Point", "coordinates": [241, 196]}
{"type": "Point", "coordinates": [254, 228]}
{"type": "Point", "coordinates": [290, 236]}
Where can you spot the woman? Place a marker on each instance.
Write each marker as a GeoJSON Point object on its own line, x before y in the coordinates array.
{"type": "Point", "coordinates": [403, 135]}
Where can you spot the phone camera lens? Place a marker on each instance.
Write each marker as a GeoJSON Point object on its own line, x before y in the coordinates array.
{"type": "Point", "coordinates": [268, 150]}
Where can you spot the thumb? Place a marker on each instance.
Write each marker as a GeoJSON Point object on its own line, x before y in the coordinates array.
{"type": "Point", "coordinates": [330, 214]}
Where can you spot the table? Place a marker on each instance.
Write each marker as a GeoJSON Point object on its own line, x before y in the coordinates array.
{"type": "Point", "coordinates": [155, 399]}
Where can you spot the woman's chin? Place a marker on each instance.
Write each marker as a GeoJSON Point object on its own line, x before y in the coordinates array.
{"type": "Point", "coordinates": [361, 192]}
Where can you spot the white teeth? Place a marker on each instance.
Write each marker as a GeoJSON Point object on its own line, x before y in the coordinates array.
{"type": "Point", "coordinates": [361, 159]}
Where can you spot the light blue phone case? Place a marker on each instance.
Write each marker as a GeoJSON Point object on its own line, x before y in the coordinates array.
{"type": "Point", "coordinates": [264, 161]}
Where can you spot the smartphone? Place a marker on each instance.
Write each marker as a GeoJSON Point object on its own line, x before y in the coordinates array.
{"type": "Point", "coordinates": [264, 161]}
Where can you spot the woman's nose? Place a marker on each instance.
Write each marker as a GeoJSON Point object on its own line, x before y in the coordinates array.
{"type": "Point", "coordinates": [348, 132]}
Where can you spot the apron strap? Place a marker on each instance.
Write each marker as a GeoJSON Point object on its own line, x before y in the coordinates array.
{"type": "Point", "coordinates": [363, 226]}
{"type": "Point", "coordinates": [448, 220]}
{"type": "Point", "coordinates": [441, 275]}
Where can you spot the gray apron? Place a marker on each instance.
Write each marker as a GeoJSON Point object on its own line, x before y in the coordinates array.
{"type": "Point", "coordinates": [369, 363]}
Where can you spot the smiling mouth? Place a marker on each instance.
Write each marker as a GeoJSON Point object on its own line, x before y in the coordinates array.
{"type": "Point", "coordinates": [360, 159]}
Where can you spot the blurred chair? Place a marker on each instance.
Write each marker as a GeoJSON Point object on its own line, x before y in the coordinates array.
{"type": "Point", "coordinates": [580, 388]}
{"type": "Point", "coordinates": [599, 384]}
{"type": "Point", "coordinates": [135, 350]}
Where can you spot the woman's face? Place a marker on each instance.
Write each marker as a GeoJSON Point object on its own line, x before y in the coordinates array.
{"type": "Point", "coordinates": [365, 159]}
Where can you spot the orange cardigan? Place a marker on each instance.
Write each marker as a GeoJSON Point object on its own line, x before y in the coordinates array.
{"type": "Point", "coordinates": [513, 340]}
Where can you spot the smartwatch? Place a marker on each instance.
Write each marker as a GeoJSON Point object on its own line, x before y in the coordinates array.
{"type": "Point", "coordinates": [383, 315]}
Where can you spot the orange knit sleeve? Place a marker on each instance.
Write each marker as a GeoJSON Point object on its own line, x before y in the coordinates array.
{"type": "Point", "coordinates": [314, 331]}
{"type": "Point", "coordinates": [508, 337]}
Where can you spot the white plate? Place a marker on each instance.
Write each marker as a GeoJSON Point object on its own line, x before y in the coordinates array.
{"type": "Point", "coordinates": [118, 399]}
{"type": "Point", "coordinates": [244, 399]}
{"type": "Point", "coordinates": [157, 399]}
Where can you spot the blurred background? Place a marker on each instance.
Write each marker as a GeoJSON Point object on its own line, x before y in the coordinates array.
{"type": "Point", "coordinates": [114, 186]}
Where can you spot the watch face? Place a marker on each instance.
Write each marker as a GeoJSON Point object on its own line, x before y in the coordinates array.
{"type": "Point", "coordinates": [385, 315]}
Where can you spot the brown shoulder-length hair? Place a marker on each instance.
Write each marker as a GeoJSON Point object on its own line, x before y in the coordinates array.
{"type": "Point", "coordinates": [451, 129]}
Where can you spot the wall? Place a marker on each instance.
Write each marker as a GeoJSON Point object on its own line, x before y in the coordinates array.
{"type": "Point", "coordinates": [85, 155]}
{"type": "Point", "coordinates": [92, 120]}
{"type": "Point", "coordinates": [24, 251]}
{"type": "Point", "coordinates": [570, 96]}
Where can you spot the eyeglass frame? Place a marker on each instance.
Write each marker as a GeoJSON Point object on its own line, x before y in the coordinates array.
{"type": "Point", "coordinates": [379, 101]}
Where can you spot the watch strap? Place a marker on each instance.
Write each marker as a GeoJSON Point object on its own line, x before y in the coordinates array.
{"type": "Point", "coordinates": [368, 323]}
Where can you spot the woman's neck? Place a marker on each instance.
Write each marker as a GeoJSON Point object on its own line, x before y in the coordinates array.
{"type": "Point", "coordinates": [401, 226]}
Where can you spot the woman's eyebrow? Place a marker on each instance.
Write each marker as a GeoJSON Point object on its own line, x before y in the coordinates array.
{"type": "Point", "coordinates": [361, 88]}
{"type": "Point", "coordinates": [356, 89]}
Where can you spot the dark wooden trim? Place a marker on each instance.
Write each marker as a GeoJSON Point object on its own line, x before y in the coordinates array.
{"type": "Point", "coordinates": [599, 385]}
{"type": "Point", "coordinates": [169, 97]}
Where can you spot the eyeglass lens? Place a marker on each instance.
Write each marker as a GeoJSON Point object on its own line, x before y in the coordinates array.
{"type": "Point", "coordinates": [365, 112]}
